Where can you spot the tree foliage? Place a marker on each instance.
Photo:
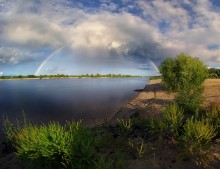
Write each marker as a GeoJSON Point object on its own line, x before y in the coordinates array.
{"type": "Point", "coordinates": [184, 73]}
{"type": "Point", "coordinates": [214, 73]}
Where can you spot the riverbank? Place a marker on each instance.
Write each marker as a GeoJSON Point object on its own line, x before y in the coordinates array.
{"type": "Point", "coordinates": [150, 103]}
{"type": "Point", "coordinates": [153, 98]}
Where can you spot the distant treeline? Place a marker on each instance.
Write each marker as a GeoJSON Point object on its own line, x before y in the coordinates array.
{"type": "Point", "coordinates": [68, 76]}
{"type": "Point", "coordinates": [214, 73]}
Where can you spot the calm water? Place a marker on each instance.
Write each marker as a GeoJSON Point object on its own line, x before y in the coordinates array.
{"type": "Point", "coordinates": [65, 99]}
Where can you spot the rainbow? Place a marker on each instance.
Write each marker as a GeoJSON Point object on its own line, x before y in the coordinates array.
{"type": "Point", "coordinates": [154, 65]}
{"type": "Point", "coordinates": [46, 60]}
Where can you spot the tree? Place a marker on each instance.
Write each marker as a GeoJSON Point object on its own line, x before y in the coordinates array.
{"type": "Point", "coordinates": [184, 75]}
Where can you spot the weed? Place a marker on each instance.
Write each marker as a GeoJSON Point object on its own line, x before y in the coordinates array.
{"type": "Point", "coordinates": [197, 136]}
{"type": "Point", "coordinates": [172, 118]}
{"type": "Point", "coordinates": [46, 146]}
{"type": "Point", "coordinates": [137, 146]}
{"type": "Point", "coordinates": [9, 129]}
{"type": "Point", "coordinates": [212, 112]}
{"type": "Point", "coordinates": [104, 163]}
{"type": "Point", "coordinates": [125, 125]}
{"type": "Point", "coordinates": [156, 125]}
{"type": "Point", "coordinates": [82, 146]}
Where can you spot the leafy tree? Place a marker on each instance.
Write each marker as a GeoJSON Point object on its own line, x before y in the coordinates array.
{"type": "Point", "coordinates": [185, 75]}
{"type": "Point", "coordinates": [214, 73]}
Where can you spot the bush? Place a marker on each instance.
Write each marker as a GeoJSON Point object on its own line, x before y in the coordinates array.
{"type": "Point", "coordinates": [183, 73]}
{"type": "Point", "coordinates": [185, 76]}
{"type": "Point", "coordinates": [212, 113]}
{"type": "Point", "coordinates": [46, 146]}
{"type": "Point", "coordinates": [156, 125]}
{"type": "Point", "coordinates": [82, 147]}
{"type": "Point", "coordinates": [52, 145]}
{"type": "Point", "coordinates": [191, 100]}
{"type": "Point", "coordinates": [197, 136]}
{"type": "Point", "coordinates": [170, 121]}
{"type": "Point", "coordinates": [172, 118]}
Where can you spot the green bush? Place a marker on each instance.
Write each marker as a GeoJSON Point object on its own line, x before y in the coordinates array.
{"type": "Point", "coordinates": [52, 145]}
{"type": "Point", "coordinates": [212, 113]}
{"type": "Point", "coordinates": [191, 100]}
{"type": "Point", "coordinates": [46, 146]}
{"type": "Point", "coordinates": [169, 122]}
{"type": "Point", "coordinates": [197, 136]}
{"type": "Point", "coordinates": [173, 118]}
{"type": "Point", "coordinates": [183, 73]}
{"type": "Point", "coordinates": [155, 125]}
{"type": "Point", "coordinates": [82, 147]}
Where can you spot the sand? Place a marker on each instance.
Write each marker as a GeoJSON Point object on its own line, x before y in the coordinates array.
{"type": "Point", "coordinates": [153, 98]}
{"type": "Point", "coordinates": [150, 102]}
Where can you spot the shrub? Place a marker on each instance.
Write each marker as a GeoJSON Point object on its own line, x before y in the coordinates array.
{"type": "Point", "coordinates": [172, 118]}
{"type": "Point", "coordinates": [53, 146]}
{"type": "Point", "coordinates": [212, 113]}
{"type": "Point", "coordinates": [197, 136]}
{"type": "Point", "coordinates": [46, 146]}
{"type": "Point", "coordinates": [82, 147]}
{"type": "Point", "coordinates": [183, 73]}
{"type": "Point", "coordinates": [156, 125]}
{"type": "Point", "coordinates": [185, 76]}
{"type": "Point", "coordinates": [170, 121]}
{"type": "Point", "coordinates": [191, 100]}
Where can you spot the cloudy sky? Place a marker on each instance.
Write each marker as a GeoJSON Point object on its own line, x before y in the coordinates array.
{"type": "Point", "coordinates": [105, 36]}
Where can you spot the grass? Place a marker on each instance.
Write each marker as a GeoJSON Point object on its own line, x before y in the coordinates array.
{"type": "Point", "coordinates": [114, 146]}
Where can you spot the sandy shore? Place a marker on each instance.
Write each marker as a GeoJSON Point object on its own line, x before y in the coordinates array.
{"type": "Point", "coordinates": [150, 102]}
{"type": "Point", "coordinates": [152, 99]}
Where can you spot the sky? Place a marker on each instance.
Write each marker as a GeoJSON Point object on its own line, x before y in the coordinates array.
{"type": "Point", "coordinates": [105, 36]}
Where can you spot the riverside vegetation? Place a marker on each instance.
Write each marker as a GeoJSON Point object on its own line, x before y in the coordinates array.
{"type": "Point", "coordinates": [68, 76]}
{"type": "Point", "coordinates": [186, 125]}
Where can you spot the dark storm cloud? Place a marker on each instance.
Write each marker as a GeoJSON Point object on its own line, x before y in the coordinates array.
{"type": "Point", "coordinates": [129, 32]}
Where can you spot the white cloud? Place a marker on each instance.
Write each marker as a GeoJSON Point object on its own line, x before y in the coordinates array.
{"type": "Point", "coordinates": [164, 29]}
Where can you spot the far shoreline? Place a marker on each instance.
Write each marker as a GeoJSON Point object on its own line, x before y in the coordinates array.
{"type": "Point", "coordinates": [73, 77]}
